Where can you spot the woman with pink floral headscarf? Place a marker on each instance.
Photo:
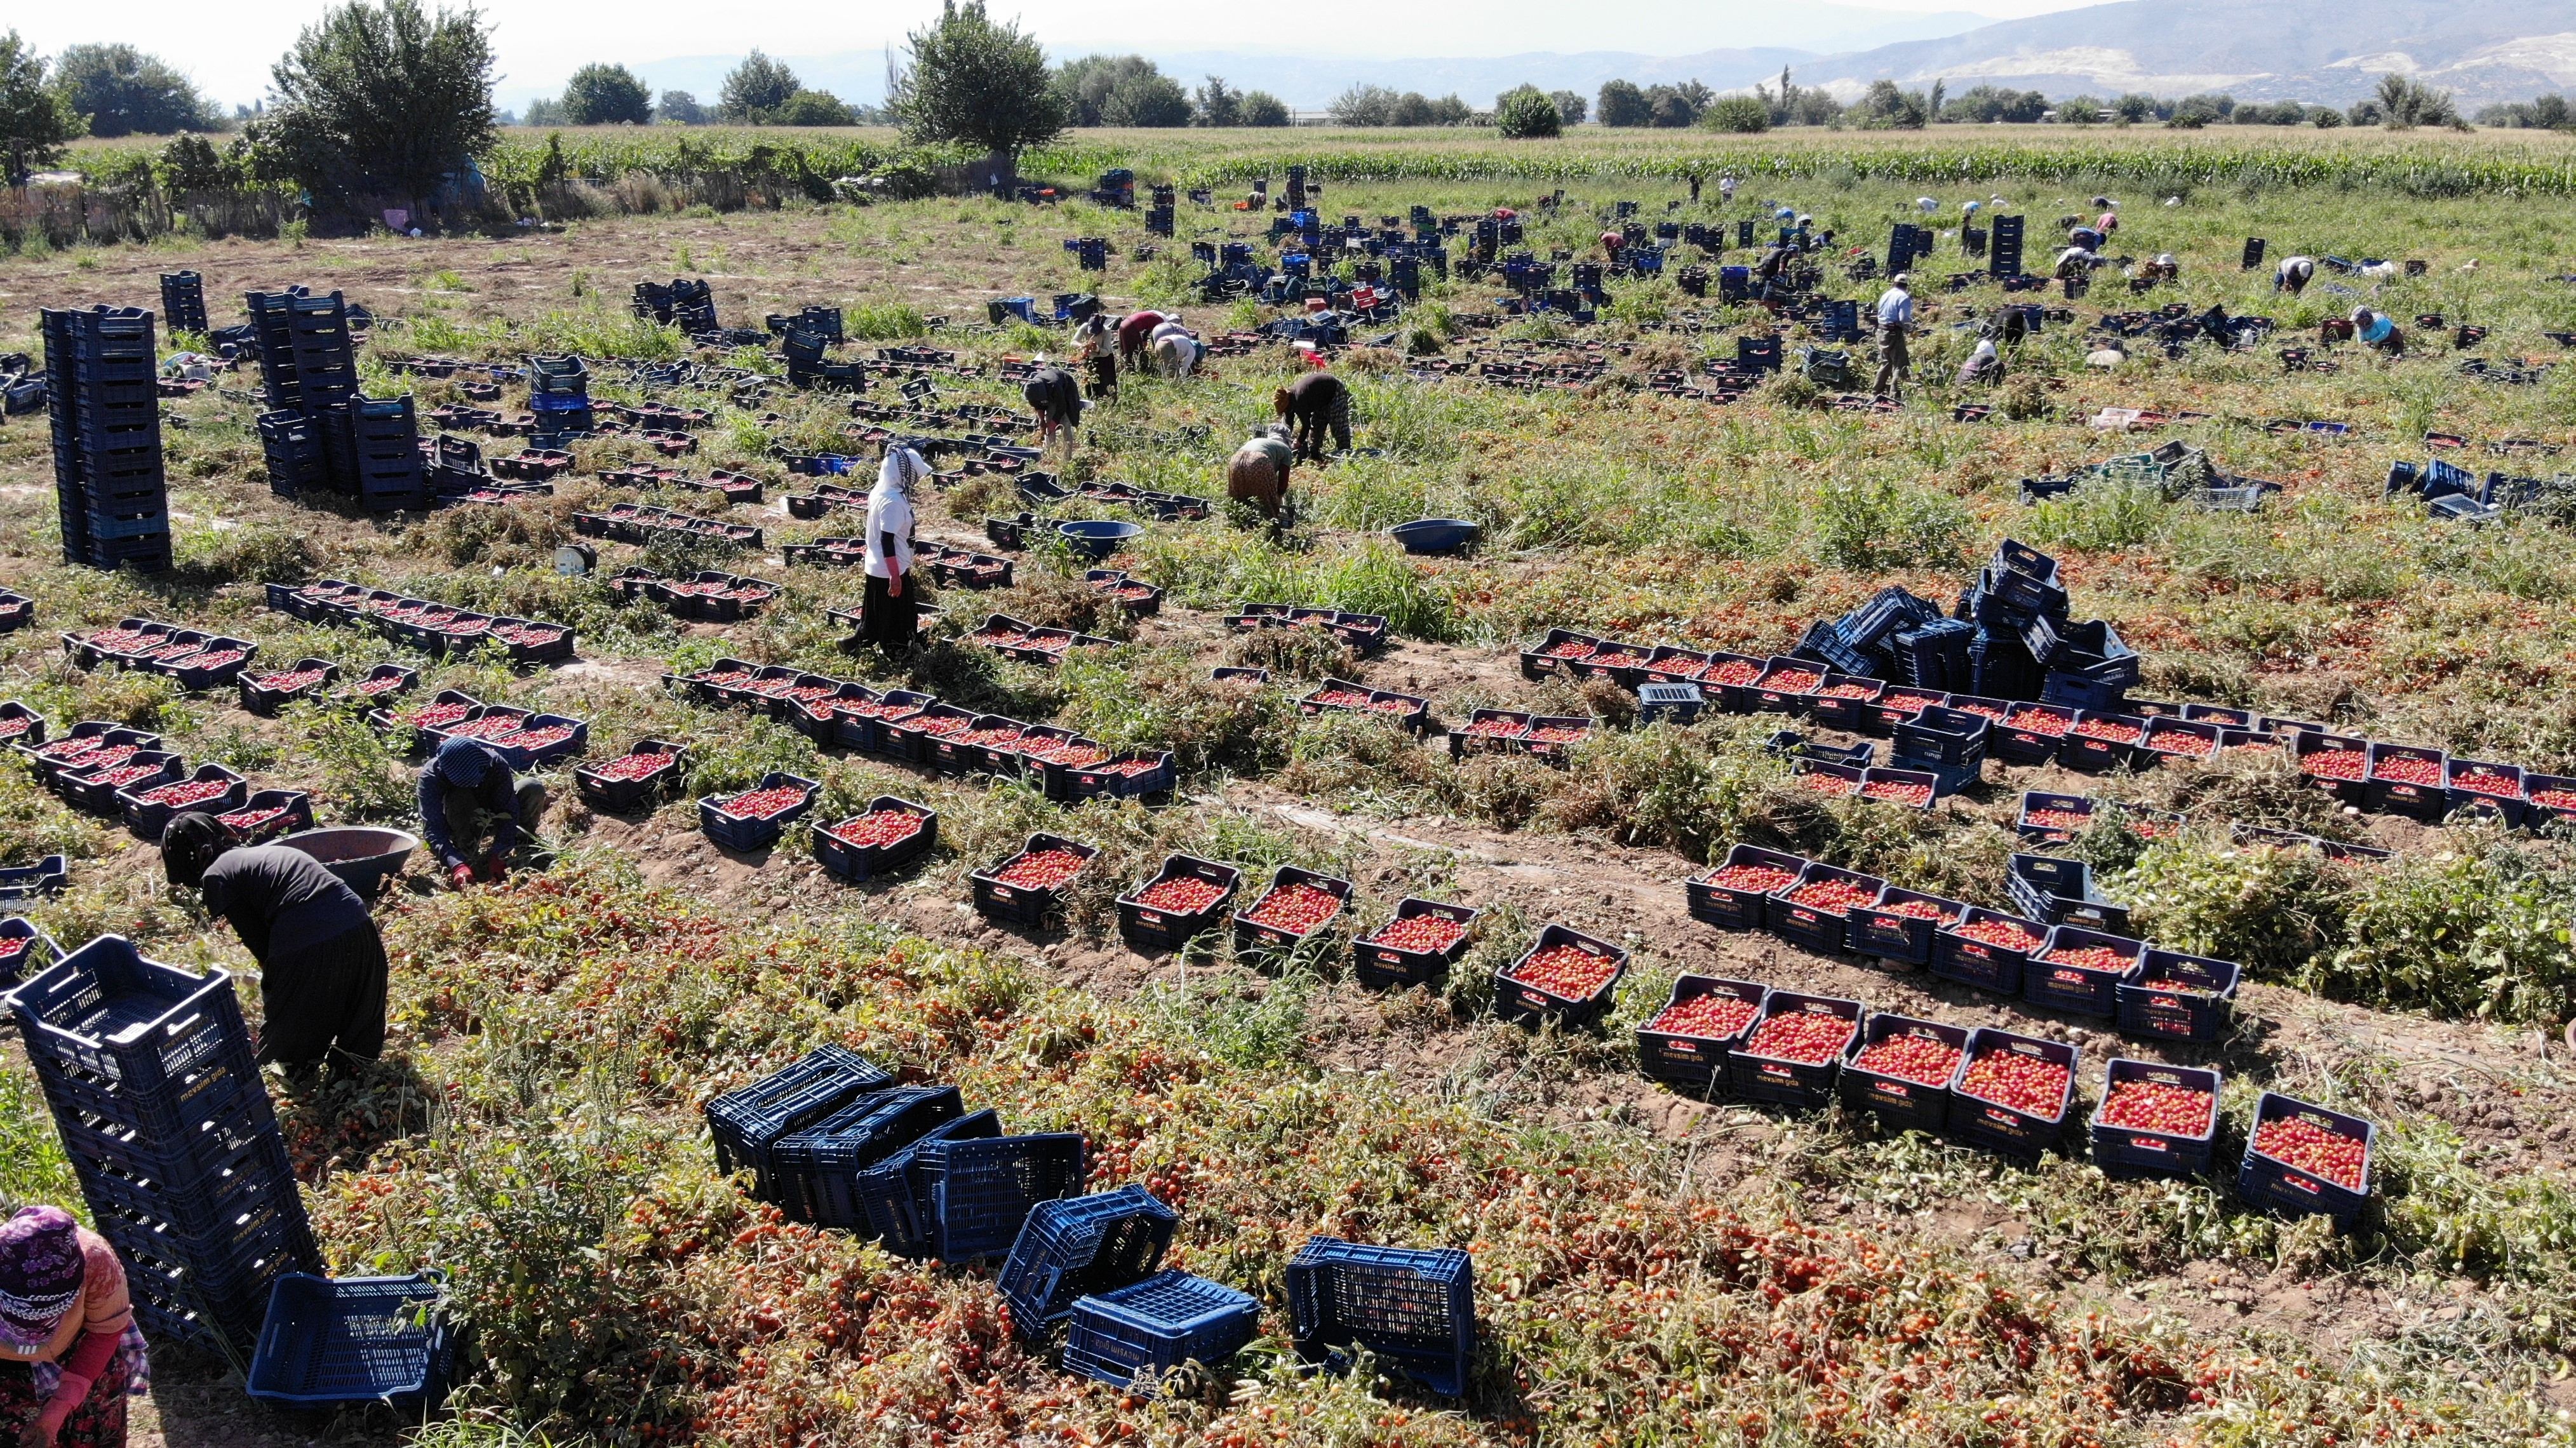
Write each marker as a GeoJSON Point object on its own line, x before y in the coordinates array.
{"type": "Point", "coordinates": [70, 1354]}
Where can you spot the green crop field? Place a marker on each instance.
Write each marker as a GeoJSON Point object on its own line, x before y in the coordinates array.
{"type": "Point", "coordinates": [1653, 1264]}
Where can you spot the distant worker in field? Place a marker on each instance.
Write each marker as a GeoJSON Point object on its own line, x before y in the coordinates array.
{"type": "Point", "coordinates": [1136, 334]}
{"type": "Point", "coordinates": [1312, 405]}
{"type": "Point", "coordinates": [1985, 365]}
{"type": "Point", "coordinates": [2378, 331]}
{"type": "Point", "coordinates": [2293, 274]}
{"type": "Point", "coordinates": [1176, 349]}
{"type": "Point", "coordinates": [1258, 472]}
{"type": "Point", "coordinates": [1726, 188]}
{"type": "Point", "coordinates": [1097, 345]}
{"type": "Point", "coordinates": [474, 807]}
{"type": "Point", "coordinates": [2108, 222]}
{"type": "Point", "coordinates": [2163, 269]}
{"type": "Point", "coordinates": [1611, 242]}
{"type": "Point", "coordinates": [1771, 278]}
{"type": "Point", "coordinates": [2086, 237]}
{"type": "Point", "coordinates": [1895, 320]}
{"type": "Point", "coordinates": [1057, 400]}
{"type": "Point", "coordinates": [889, 609]}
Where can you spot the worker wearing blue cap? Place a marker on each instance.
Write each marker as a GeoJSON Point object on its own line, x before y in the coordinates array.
{"type": "Point", "coordinates": [468, 792]}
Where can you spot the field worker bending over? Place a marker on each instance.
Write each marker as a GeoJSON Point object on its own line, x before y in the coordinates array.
{"type": "Point", "coordinates": [1895, 320]}
{"type": "Point", "coordinates": [1176, 351]}
{"type": "Point", "coordinates": [322, 964]}
{"type": "Point", "coordinates": [1258, 471]}
{"type": "Point", "coordinates": [1135, 330]}
{"type": "Point", "coordinates": [1057, 400]}
{"type": "Point", "coordinates": [2378, 331]}
{"type": "Point", "coordinates": [1097, 345]}
{"type": "Point", "coordinates": [1985, 366]}
{"type": "Point", "coordinates": [468, 795]}
{"type": "Point", "coordinates": [2293, 274]}
{"type": "Point", "coordinates": [1312, 404]}
{"type": "Point", "coordinates": [72, 1352]}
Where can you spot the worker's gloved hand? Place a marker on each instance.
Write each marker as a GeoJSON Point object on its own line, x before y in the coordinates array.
{"type": "Point", "coordinates": [462, 875]}
{"type": "Point", "coordinates": [496, 867]}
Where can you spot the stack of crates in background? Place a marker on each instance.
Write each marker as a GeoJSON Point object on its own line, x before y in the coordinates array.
{"type": "Point", "coordinates": [149, 1073]}
{"type": "Point", "coordinates": [371, 446]}
{"type": "Point", "coordinates": [325, 358]}
{"type": "Point", "coordinates": [183, 301]}
{"type": "Point", "coordinates": [2026, 647]}
{"type": "Point", "coordinates": [320, 430]}
{"type": "Point", "coordinates": [693, 306]}
{"type": "Point", "coordinates": [559, 395]}
{"type": "Point", "coordinates": [1090, 252]}
{"type": "Point", "coordinates": [276, 341]}
{"type": "Point", "coordinates": [2004, 247]}
{"type": "Point", "coordinates": [1905, 245]}
{"type": "Point", "coordinates": [1161, 219]}
{"type": "Point", "coordinates": [110, 490]}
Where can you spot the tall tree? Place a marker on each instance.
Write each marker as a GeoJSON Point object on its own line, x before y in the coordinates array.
{"type": "Point", "coordinates": [755, 89]}
{"type": "Point", "coordinates": [1525, 112]}
{"type": "Point", "coordinates": [607, 95]}
{"type": "Point", "coordinates": [34, 122]}
{"type": "Point", "coordinates": [977, 80]}
{"type": "Point", "coordinates": [1365, 105]}
{"type": "Point", "coordinates": [124, 92]}
{"type": "Point", "coordinates": [1218, 104]}
{"type": "Point", "coordinates": [1622, 104]}
{"type": "Point", "coordinates": [1261, 108]}
{"type": "Point", "coordinates": [679, 108]}
{"type": "Point", "coordinates": [1570, 107]}
{"type": "Point", "coordinates": [382, 100]}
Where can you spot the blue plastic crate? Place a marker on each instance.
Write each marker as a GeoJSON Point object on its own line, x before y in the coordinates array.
{"type": "Point", "coordinates": [982, 1190]}
{"type": "Point", "coordinates": [1901, 1102]}
{"type": "Point", "coordinates": [2201, 1013]}
{"type": "Point", "coordinates": [1533, 1005]}
{"type": "Point", "coordinates": [749, 835]}
{"type": "Point", "coordinates": [2135, 1151]}
{"type": "Point", "coordinates": [2059, 890]}
{"type": "Point", "coordinates": [1688, 1061]}
{"type": "Point", "coordinates": [894, 1196]}
{"type": "Point", "coordinates": [354, 1340]}
{"type": "Point", "coordinates": [1669, 703]}
{"type": "Point", "coordinates": [1414, 1308]}
{"type": "Point", "coordinates": [1799, 1085]}
{"type": "Point", "coordinates": [818, 1167]}
{"type": "Point", "coordinates": [745, 1123]}
{"type": "Point", "coordinates": [136, 1024]}
{"type": "Point", "coordinates": [1733, 909]}
{"type": "Point", "coordinates": [1975, 1121]}
{"type": "Point", "coordinates": [1148, 1328]}
{"type": "Point", "coordinates": [1980, 963]}
{"type": "Point", "coordinates": [2081, 989]}
{"type": "Point", "coordinates": [1078, 1246]}
{"type": "Point", "coordinates": [2266, 1182]}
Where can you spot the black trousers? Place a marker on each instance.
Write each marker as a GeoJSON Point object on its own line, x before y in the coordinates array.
{"type": "Point", "coordinates": [887, 621]}
{"type": "Point", "coordinates": [326, 1000]}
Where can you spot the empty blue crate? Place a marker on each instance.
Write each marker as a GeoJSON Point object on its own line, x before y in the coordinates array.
{"type": "Point", "coordinates": [354, 1340]}
{"type": "Point", "coordinates": [818, 1168]}
{"type": "Point", "coordinates": [1414, 1308]}
{"type": "Point", "coordinates": [746, 1123]}
{"type": "Point", "coordinates": [982, 1191]}
{"type": "Point", "coordinates": [1079, 1246]}
{"type": "Point", "coordinates": [137, 1025]}
{"type": "Point", "coordinates": [1148, 1328]}
{"type": "Point", "coordinates": [897, 1201]}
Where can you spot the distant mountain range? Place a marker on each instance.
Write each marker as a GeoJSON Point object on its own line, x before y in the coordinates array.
{"type": "Point", "coordinates": [2331, 51]}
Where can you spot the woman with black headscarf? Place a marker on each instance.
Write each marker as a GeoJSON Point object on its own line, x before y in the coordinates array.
{"type": "Point", "coordinates": [322, 964]}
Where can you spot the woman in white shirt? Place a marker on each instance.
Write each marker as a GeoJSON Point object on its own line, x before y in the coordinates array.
{"type": "Point", "coordinates": [890, 612]}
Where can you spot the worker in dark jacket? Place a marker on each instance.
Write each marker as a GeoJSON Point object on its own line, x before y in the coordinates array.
{"type": "Point", "coordinates": [322, 964]}
{"type": "Point", "coordinates": [468, 792]}
{"type": "Point", "coordinates": [1057, 400]}
{"type": "Point", "coordinates": [1312, 404]}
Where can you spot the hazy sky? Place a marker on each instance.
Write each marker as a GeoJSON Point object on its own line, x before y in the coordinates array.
{"type": "Point", "coordinates": [228, 48]}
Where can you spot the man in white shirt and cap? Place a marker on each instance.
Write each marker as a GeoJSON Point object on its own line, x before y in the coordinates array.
{"type": "Point", "coordinates": [890, 611]}
{"type": "Point", "coordinates": [1895, 320]}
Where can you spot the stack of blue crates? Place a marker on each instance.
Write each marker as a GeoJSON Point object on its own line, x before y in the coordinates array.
{"type": "Point", "coordinates": [111, 492]}
{"type": "Point", "coordinates": [2026, 647]}
{"type": "Point", "coordinates": [183, 301]}
{"type": "Point", "coordinates": [372, 446]}
{"type": "Point", "coordinates": [559, 391]}
{"type": "Point", "coordinates": [149, 1073]}
{"type": "Point", "coordinates": [693, 306]}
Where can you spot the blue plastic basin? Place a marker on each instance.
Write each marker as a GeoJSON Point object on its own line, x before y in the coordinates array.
{"type": "Point", "coordinates": [1437, 535]}
{"type": "Point", "coordinates": [1096, 538]}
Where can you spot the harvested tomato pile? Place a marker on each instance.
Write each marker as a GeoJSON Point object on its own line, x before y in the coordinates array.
{"type": "Point", "coordinates": [2155, 1106]}
{"type": "Point", "coordinates": [1681, 668]}
{"type": "Point", "coordinates": [2110, 729]}
{"type": "Point", "coordinates": [2332, 763]}
{"type": "Point", "coordinates": [1897, 791]}
{"type": "Point", "coordinates": [185, 792]}
{"type": "Point", "coordinates": [1130, 768]}
{"type": "Point", "coordinates": [1296, 908]}
{"type": "Point", "coordinates": [459, 627]}
{"type": "Point", "coordinates": [1001, 638]}
{"type": "Point", "coordinates": [66, 748]}
{"type": "Point", "coordinates": [1916, 910]}
{"type": "Point", "coordinates": [808, 693]}
{"type": "Point", "coordinates": [635, 766]}
{"type": "Point", "coordinates": [2408, 769]}
{"type": "Point", "coordinates": [117, 640]}
{"type": "Point", "coordinates": [1712, 1017]}
{"type": "Point", "coordinates": [749, 594]}
{"type": "Point", "coordinates": [942, 725]}
{"type": "Point", "coordinates": [214, 658]}
{"type": "Point", "coordinates": [1924, 1060]}
{"type": "Point", "coordinates": [724, 678]}
{"type": "Point", "coordinates": [431, 716]}
{"type": "Point", "coordinates": [2488, 782]}
{"type": "Point", "coordinates": [1846, 690]}
{"type": "Point", "coordinates": [1835, 895]}
{"type": "Point", "coordinates": [2002, 934]}
{"type": "Point", "coordinates": [2027, 1084]}
{"type": "Point", "coordinates": [246, 820]}
{"type": "Point", "coordinates": [2555, 798]}
{"type": "Point", "coordinates": [1391, 706]}
{"type": "Point", "coordinates": [1133, 591]}
{"type": "Point", "coordinates": [1343, 698]}
{"type": "Point", "coordinates": [877, 829]}
{"type": "Point", "coordinates": [2039, 721]}
{"type": "Point", "coordinates": [1051, 643]}
{"type": "Point", "coordinates": [1735, 671]}
{"type": "Point", "coordinates": [1181, 895]}
{"type": "Point", "coordinates": [1567, 972]}
{"type": "Point", "coordinates": [2170, 986]}
{"type": "Point", "coordinates": [1557, 733]}
{"type": "Point", "coordinates": [1571, 649]}
{"type": "Point", "coordinates": [15, 725]}
{"type": "Point", "coordinates": [1833, 785]}
{"type": "Point", "coordinates": [166, 652]}
{"type": "Point", "coordinates": [2058, 819]}
{"type": "Point", "coordinates": [123, 775]}
{"type": "Point", "coordinates": [487, 727]}
{"type": "Point", "coordinates": [91, 760]}
{"type": "Point", "coordinates": [13, 946]}
{"type": "Point", "coordinates": [2299, 1142]}
{"type": "Point", "coordinates": [760, 804]}
{"type": "Point", "coordinates": [290, 681]}
{"type": "Point", "coordinates": [545, 737]}
{"type": "Point", "coordinates": [999, 734]}
{"type": "Point", "coordinates": [526, 633]}
{"type": "Point", "coordinates": [2175, 741]}
{"type": "Point", "coordinates": [1498, 728]}
{"type": "Point", "coordinates": [1423, 933]}
{"type": "Point", "coordinates": [1794, 681]}
{"type": "Point", "coordinates": [1066, 752]}
{"type": "Point", "coordinates": [1617, 658]}
{"type": "Point", "coordinates": [1912, 703]}
{"type": "Point", "coordinates": [1753, 879]}
{"type": "Point", "coordinates": [1040, 870]}
{"type": "Point", "coordinates": [2089, 957]}
{"type": "Point", "coordinates": [1810, 1038]}
{"type": "Point", "coordinates": [1985, 711]}
{"type": "Point", "coordinates": [2256, 748]}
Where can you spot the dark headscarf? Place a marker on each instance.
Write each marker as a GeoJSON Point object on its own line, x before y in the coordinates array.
{"type": "Point", "coordinates": [190, 844]}
{"type": "Point", "coordinates": [41, 1271]}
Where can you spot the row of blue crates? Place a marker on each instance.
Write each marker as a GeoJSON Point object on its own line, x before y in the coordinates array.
{"type": "Point", "coordinates": [110, 487]}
